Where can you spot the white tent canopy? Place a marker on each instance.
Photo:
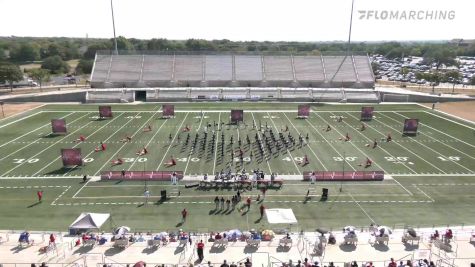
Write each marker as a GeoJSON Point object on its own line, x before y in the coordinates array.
{"type": "Point", "coordinates": [283, 216]}
{"type": "Point", "coordinates": [89, 220]}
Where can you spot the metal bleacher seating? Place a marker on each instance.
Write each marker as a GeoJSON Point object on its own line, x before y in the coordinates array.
{"type": "Point", "coordinates": [309, 70]}
{"type": "Point", "coordinates": [316, 71]}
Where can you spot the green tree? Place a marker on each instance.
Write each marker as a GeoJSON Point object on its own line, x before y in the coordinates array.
{"type": "Point", "coordinates": [40, 75]}
{"type": "Point", "coordinates": [439, 56]}
{"type": "Point", "coordinates": [434, 78]}
{"type": "Point", "coordinates": [93, 48]}
{"type": "Point", "coordinates": [2, 54]}
{"type": "Point", "coordinates": [25, 52]}
{"type": "Point", "coordinates": [55, 65]}
{"type": "Point", "coordinates": [452, 76]}
{"type": "Point", "coordinates": [84, 66]}
{"type": "Point", "coordinates": [159, 44]}
{"type": "Point", "coordinates": [123, 44]}
{"type": "Point", "coordinates": [10, 73]}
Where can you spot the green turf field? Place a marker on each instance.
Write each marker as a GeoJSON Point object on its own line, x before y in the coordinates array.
{"type": "Point", "coordinates": [431, 174]}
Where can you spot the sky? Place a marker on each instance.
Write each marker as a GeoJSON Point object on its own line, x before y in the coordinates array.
{"type": "Point", "coordinates": [241, 20]}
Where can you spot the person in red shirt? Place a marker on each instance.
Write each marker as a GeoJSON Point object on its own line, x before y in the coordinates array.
{"type": "Point", "coordinates": [305, 160]}
{"type": "Point", "coordinates": [368, 163]}
{"type": "Point", "coordinates": [142, 152]}
{"type": "Point", "coordinates": [375, 143]}
{"type": "Point", "coordinates": [262, 209]}
{"type": "Point", "coordinates": [186, 129]}
{"type": "Point", "coordinates": [148, 128]}
{"type": "Point", "coordinates": [172, 162]}
{"type": "Point", "coordinates": [52, 239]}
{"type": "Point", "coordinates": [81, 138]}
{"type": "Point", "coordinates": [248, 203]}
{"type": "Point", "coordinates": [101, 147]}
{"type": "Point", "coordinates": [118, 161]}
{"type": "Point", "coordinates": [199, 249]}
{"type": "Point", "coordinates": [184, 212]}
{"type": "Point", "coordinates": [392, 263]}
{"type": "Point", "coordinates": [40, 195]}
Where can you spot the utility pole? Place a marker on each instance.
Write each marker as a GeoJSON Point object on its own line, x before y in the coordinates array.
{"type": "Point", "coordinates": [116, 52]}
{"type": "Point", "coordinates": [351, 24]}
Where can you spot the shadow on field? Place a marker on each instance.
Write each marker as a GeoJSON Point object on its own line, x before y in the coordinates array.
{"type": "Point", "coordinates": [61, 170]}
{"type": "Point", "coordinates": [34, 204]}
{"type": "Point", "coordinates": [112, 251]}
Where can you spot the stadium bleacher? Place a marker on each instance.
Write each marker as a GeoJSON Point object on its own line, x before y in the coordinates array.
{"type": "Point", "coordinates": [139, 71]}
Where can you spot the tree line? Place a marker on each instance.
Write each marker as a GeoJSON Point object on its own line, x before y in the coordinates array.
{"type": "Point", "coordinates": [53, 52]}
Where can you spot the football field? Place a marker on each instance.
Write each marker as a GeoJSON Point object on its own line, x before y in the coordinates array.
{"type": "Point", "coordinates": [429, 177]}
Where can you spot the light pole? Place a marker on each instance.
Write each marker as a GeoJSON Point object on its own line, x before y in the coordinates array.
{"type": "Point", "coordinates": [116, 52]}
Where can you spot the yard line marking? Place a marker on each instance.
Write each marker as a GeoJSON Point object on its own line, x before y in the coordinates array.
{"type": "Point", "coordinates": [358, 204]}
{"type": "Point", "coordinates": [125, 143]}
{"type": "Point", "coordinates": [158, 130]}
{"type": "Point", "coordinates": [420, 190]}
{"type": "Point", "coordinates": [110, 121]}
{"type": "Point", "coordinates": [461, 124]}
{"type": "Point", "coordinates": [34, 142]}
{"type": "Point", "coordinates": [25, 111]}
{"type": "Point", "coordinates": [317, 131]}
{"type": "Point", "coordinates": [321, 163]}
{"type": "Point", "coordinates": [173, 140]}
{"type": "Point", "coordinates": [216, 144]}
{"type": "Point", "coordinates": [433, 150]}
{"type": "Point", "coordinates": [60, 195]}
{"type": "Point", "coordinates": [262, 143]}
{"type": "Point", "coordinates": [379, 147]}
{"type": "Point", "coordinates": [45, 148]}
{"type": "Point", "coordinates": [455, 138]}
{"type": "Point", "coordinates": [366, 155]}
{"type": "Point", "coordinates": [47, 124]}
{"type": "Point", "coordinates": [408, 150]}
{"type": "Point", "coordinates": [288, 151]}
{"type": "Point", "coordinates": [188, 159]}
{"type": "Point", "coordinates": [227, 110]}
{"type": "Point", "coordinates": [23, 118]}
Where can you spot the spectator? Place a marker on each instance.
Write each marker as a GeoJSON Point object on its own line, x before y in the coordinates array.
{"type": "Point", "coordinates": [409, 263]}
{"type": "Point", "coordinates": [331, 264]}
{"type": "Point", "coordinates": [448, 235]}
{"type": "Point", "coordinates": [218, 236]}
{"type": "Point", "coordinates": [233, 264]}
{"type": "Point", "coordinates": [401, 264]}
{"type": "Point", "coordinates": [248, 263]}
{"type": "Point", "coordinates": [306, 263]}
{"type": "Point", "coordinates": [199, 250]}
{"type": "Point", "coordinates": [392, 263]}
{"type": "Point", "coordinates": [225, 264]}
{"type": "Point", "coordinates": [354, 264]}
{"type": "Point", "coordinates": [435, 235]}
{"type": "Point", "coordinates": [369, 264]}
{"type": "Point", "coordinates": [299, 264]}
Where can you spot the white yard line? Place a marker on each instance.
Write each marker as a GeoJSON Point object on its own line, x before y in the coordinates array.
{"type": "Point", "coordinates": [410, 151]}
{"type": "Point", "coordinates": [288, 151]}
{"type": "Point", "coordinates": [45, 148]}
{"type": "Point", "coordinates": [329, 143]}
{"type": "Point", "coordinates": [188, 159]}
{"type": "Point", "coordinates": [150, 141]}
{"type": "Point", "coordinates": [262, 145]}
{"type": "Point", "coordinates": [125, 143]}
{"type": "Point", "coordinates": [313, 152]}
{"type": "Point", "coordinates": [420, 190]}
{"type": "Point", "coordinates": [80, 189]}
{"type": "Point", "coordinates": [442, 117]}
{"type": "Point", "coordinates": [378, 146]}
{"type": "Point", "coordinates": [34, 142]}
{"type": "Point", "coordinates": [110, 136]}
{"type": "Point", "coordinates": [20, 119]}
{"type": "Point", "coordinates": [21, 113]}
{"type": "Point", "coordinates": [173, 140]}
{"type": "Point", "coordinates": [227, 110]}
{"type": "Point", "coordinates": [32, 131]}
{"type": "Point", "coordinates": [455, 138]}
{"type": "Point", "coordinates": [357, 148]}
{"type": "Point", "coordinates": [216, 144]}
{"type": "Point", "coordinates": [433, 150]}
{"type": "Point", "coordinates": [358, 204]}
{"type": "Point", "coordinates": [110, 121]}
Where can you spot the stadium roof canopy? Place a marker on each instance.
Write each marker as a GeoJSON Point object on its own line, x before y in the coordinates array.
{"type": "Point", "coordinates": [228, 70]}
